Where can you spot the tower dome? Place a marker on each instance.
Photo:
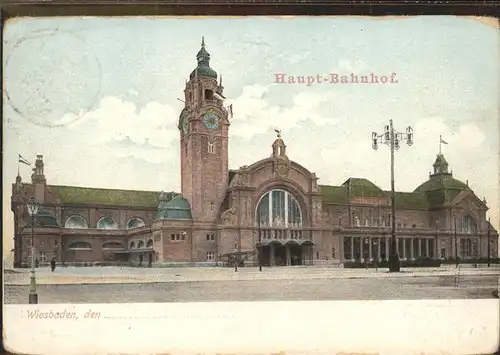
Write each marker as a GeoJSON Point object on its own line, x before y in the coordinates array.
{"type": "Point", "coordinates": [176, 209]}
{"type": "Point", "coordinates": [203, 68]}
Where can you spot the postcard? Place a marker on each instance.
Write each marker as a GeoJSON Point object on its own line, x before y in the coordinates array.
{"type": "Point", "coordinates": [251, 184]}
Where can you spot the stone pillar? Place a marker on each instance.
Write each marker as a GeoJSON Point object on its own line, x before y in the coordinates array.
{"type": "Point", "coordinates": [361, 242]}
{"type": "Point", "coordinates": [412, 251]}
{"type": "Point", "coordinates": [419, 247]}
{"type": "Point", "coordinates": [387, 248]}
{"type": "Point", "coordinates": [271, 254]}
{"type": "Point", "coordinates": [378, 248]}
{"type": "Point", "coordinates": [352, 248]}
{"type": "Point", "coordinates": [288, 260]}
{"type": "Point", "coordinates": [403, 241]}
{"type": "Point", "coordinates": [303, 252]}
{"type": "Point", "coordinates": [427, 247]}
{"type": "Point", "coordinates": [370, 249]}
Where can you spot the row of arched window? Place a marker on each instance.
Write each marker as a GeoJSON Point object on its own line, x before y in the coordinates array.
{"type": "Point", "coordinates": [86, 245]}
{"type": "Point", "coordinates": [79, 222]}
{"type": "Point", "coordinates": [140, 244]}
{"type": "Point", "coordinates": [113, 245]}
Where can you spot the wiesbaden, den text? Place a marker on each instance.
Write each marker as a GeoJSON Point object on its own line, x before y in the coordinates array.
{"type": "Point", "coordinates": [335, 78]}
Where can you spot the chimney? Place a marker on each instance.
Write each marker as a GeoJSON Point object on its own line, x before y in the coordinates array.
{"type": "Point", "coordinates": [38, 179]}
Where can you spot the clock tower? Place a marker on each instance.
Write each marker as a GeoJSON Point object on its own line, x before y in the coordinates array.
{"type": "Point", "coordinates": [203, 126]}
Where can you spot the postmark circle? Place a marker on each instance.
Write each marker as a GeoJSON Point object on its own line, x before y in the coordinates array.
{"type": "Point", "coordinates": [51, 74]}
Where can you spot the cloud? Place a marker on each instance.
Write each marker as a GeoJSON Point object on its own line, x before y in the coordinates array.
{"type": "Point", "coordinates": [358, 159]}
{"type": "Point", "coordinates": [254, 113]}
{"type": "Point", "coordinates": [119, 124]}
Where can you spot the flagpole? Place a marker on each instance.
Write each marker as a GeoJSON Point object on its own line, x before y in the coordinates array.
{"type": "Point", "coordinates": [440, 140]}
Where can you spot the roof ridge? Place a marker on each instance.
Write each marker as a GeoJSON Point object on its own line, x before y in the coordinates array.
{"type": "Point", "coordinates": [105, 189]}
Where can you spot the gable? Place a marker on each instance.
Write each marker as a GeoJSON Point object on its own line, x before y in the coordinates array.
{"type": "Point", "coordinates": [469, 200]}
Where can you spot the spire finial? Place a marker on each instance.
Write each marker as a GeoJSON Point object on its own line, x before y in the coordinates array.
{"type": "Point", "coordinates": [278, 132]}
{"type": "Point", "coordinates": [220, 81]}
{"type": "Point", "coordinates": [203, 42]}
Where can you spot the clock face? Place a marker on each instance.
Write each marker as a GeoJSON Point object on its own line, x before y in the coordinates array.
{"type": "Point", "coordinates": [211, 120]}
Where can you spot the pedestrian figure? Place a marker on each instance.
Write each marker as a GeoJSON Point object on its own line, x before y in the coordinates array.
{"type": "Point", "coordinates": [53, 264]}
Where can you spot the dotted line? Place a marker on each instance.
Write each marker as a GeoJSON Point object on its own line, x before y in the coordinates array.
{"type": "Point", "coordinates": [163, 317]}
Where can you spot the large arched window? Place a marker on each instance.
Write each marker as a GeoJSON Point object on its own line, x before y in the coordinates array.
{"type": "Point", "coordinates": [132, 245]}
{"type": "Point", "coordinates": [76, 221]}
{"type": "Point", "coordinates": [107, 223]}
{"type": "Point", "coordinates": [279, 208]}
{"type": "Point", "coordinates": [135, 223]}
{"type": "Point", "coordinates": [469, 225]}
{"type": "Point", "coordinates": [140, 245]}
{"type": "Point", "coordinates": [149, 243]}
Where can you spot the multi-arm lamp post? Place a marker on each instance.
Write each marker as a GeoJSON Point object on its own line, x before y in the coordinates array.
{"type": "Point", "coordinates": [392, 138]}
{"type": "Point", "coordinates": [33, 210]}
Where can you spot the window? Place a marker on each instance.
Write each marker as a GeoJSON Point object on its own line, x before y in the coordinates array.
{"type": "Point", "coordinates": [135, 223]}
{"type": "Point", "coordinates": [210, 236]}
{"type": "Point", "coordinates": [177, 236]}
{"type": "Point", "coordinates": [210, 256]}
{"type": "Point", "coordinates": [209, 95]}
{"type": "Point", "coordinates": [443, 253]}
{"type": "Point", "coordinates": [317, 255]}
{"type": "Point", "coordinates": [333, 253]}
{"type": "Point", "coordinates": [211, 148]}
{"type": "Point", "coordinates": [367, 222]}
{"type": "Point", "coordinates": [43, 256]}
{"type": "Point", "coordinates": [279, 208]}
{"type": "Point", "coordinates": [414, 226]}
{"type": "Point", "coordinates": [469, 225]}
{"type": "Point", "coordinates": [76, 222]}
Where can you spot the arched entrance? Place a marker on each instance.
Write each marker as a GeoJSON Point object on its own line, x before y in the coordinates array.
{"type": "Point", "coordinates": [287, 253]}
{"type": "Point", "coordinates": [282, 239]}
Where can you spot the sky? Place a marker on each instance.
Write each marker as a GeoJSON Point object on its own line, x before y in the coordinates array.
{"type": "Point", "coordinates": [98, 97]}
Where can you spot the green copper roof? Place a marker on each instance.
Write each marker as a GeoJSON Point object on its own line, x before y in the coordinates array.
{"type": "Point", "coordinates": [203, 68]}
{"type": "Point", "coordinates": [94, 196]}
{"type": "Point", "coordinates": [441, 181]}
{"type": "Point", "coordinates": [176, 209]}
{"type": "Point", "coordinates": [333, 194]}
{"type": "Point", "coordinates": [362, 187]}
{"type": "Point", "coordinates": [410, 200]}
{"type": "Point", "coordinates": [45, 218]}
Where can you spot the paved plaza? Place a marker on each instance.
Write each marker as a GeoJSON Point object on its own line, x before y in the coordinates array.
{"type": "Point", "coordinates": [113, 284]}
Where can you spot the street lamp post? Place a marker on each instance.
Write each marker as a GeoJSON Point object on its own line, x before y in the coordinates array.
{"type": "Point", "coordinates": [235, 256]}
{"type": "Point", "coordinates": [259, 250]}
{"type": "Point", "coordinates": [33, 210]}
{"type": "Point", "coordinates": [456, 241]}
{"type": "Point", "coordinates": [392, 138]}
{"type": "Point", "coordinates": [489, 244]}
